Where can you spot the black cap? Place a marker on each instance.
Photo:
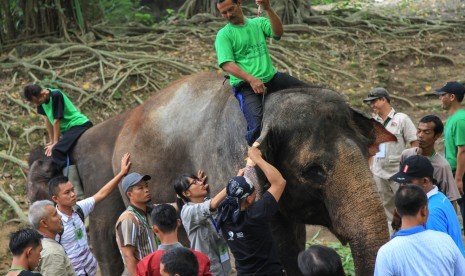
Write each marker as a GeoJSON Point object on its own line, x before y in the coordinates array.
{"type": "Point", "coordinates": [451, 88]}
{"type": "Point", "coordinates": [378, 92]}
{"type": "Point", "coordinates": [416, 166]}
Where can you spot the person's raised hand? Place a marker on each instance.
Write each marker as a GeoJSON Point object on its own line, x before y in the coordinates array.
{"type": "Point", "coordinates": [241, 172]}
{"type": "Point", "coordinates": [201, 176]}
{"type": "Point", "coordinates": [264, 3]}
{"type": "Point", "coordinates": [125, 163]}
{"type": "Point", "coordinates": [255, 154]}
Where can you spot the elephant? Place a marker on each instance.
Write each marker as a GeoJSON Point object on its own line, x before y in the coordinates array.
{"type": "Point", "coordinates": [319, 144]}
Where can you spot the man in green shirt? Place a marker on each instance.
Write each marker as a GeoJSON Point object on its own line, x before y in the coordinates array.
{"type": "Point", "coordinates": [451, 96]}
{"type": "Point", "coordinates": [64, 123]}
{"type": "Point", "coordinates": [242, 52]}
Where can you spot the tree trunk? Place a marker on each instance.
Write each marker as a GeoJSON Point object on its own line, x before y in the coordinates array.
{"type": "Point", "coordinates": [5, 13]}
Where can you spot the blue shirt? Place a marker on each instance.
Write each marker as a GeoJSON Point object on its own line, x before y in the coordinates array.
{"type": "Point", "coordinates": [442, 217]}
{"type": "Point", "coordinates": [417, 251]}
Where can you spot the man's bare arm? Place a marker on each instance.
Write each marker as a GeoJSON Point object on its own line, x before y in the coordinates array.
{"type": "Point", "coordinates": [460, 170]}
{"type": "Point", "coordinates": [275, 21]}
{"type": "Point", "coordinates": [278, 183]}
{"type": "Point", "coordinates": [112, 184]}
{"type": "Point", "coordinates": [256, 84]}
{"type": "Point", "coordinates": [130, 260]}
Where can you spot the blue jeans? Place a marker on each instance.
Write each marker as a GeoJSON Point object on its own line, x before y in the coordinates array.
{"type": "Point", "coordinates": [251, 103]}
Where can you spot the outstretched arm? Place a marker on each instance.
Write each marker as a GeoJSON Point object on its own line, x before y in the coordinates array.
{"type": "Point", "coordinates": [111, 185]}
{"type": "Point", "coordinates": [54, 135]}
{"type": "Point", "coordinates": [275, 21]}
{"type": "Point", "coordinates": [460, 170]}
{"type": "Point", "coordinates": [278, 183]}
{"type": "Point", "coordinates": [216, 200]}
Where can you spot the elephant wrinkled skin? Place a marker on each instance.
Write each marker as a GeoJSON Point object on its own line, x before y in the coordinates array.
{"type": "Point", "coordinates": [311, 135]}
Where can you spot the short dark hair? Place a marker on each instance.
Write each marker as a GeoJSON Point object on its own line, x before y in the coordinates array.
{"type": "Point", "coordinates": [31, 90]}
{"type": "Point", "coordinates": [459, 97]}
{"type": "Point", "coordinates": [180, 260]}
{"type": "Point", "coordinates": [409, 199]}
{"type": "Point", "coordinates": [221, 1]}
{"type": "Point", "coordinates": [164, 217]}
{"type": "Point", "coordinates": [22, 239]}
{"type": "Point", "coordinates": [320, 260]}
{"type": "Point", "coordinates": [54, 183]}
{"type": "Point", "coordinates": [438, 125]}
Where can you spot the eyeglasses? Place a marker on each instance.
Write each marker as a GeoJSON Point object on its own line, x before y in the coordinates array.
{"type": "Point", "coordinates": [194, 182]}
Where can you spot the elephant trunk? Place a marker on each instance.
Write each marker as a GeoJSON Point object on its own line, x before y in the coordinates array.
{"type": "Point", "coordinates": [355, 208]}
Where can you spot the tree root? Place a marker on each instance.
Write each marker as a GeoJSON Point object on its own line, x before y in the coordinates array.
{"type": "Point", "coordinates": [10, 201]}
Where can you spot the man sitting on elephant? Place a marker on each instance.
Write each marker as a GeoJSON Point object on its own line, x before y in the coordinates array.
{"type": "Point", "coordinates": [242, 52]}
{"type": "Point", "coordinates": [244, 222]}
{"type": "Point", "coordinates": [64, 124]}
{"type": "Point", "coordinates": [415, 250]}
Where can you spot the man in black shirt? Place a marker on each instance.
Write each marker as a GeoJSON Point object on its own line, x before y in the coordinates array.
{"type": "Point", "coordinates": [244, 222]}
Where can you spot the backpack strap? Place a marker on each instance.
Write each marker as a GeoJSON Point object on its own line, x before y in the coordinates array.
{"type": "Point", "coordinates": [79, 211]}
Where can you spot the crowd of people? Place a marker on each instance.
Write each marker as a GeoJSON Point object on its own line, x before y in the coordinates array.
{"type": "Point", "coordinates": [421, 190]}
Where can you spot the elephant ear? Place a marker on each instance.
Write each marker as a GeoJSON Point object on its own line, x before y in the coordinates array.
{"type": "Point", "coordinates": [373, 130]}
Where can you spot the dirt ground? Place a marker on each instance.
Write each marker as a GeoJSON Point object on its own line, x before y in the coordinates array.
{"type": "Point", "coordinates": [409, 65]}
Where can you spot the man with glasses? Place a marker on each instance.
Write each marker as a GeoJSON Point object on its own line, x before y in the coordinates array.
{"type": "Point", "coordinates": [451, 96]}
{"type": "Point", "coordinates": [134, 233]}
{"type": "Point", "coordinates": [418, 170]}
{"type": "Point", "coordinates": [242, 52]}
{"type": "Point", "coordinates": [386, 162]}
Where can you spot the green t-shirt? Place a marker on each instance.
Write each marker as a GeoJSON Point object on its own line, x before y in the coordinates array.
{"type": "Point", "coordinates": [246, 46]}
{"type": "Point", "coordinates": [59, 106]}
{"type": "Point", "coordinates": [454, 136]}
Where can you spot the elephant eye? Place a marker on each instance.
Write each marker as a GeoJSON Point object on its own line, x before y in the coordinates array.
{"type": "Point", "coordinates": [315, 173]}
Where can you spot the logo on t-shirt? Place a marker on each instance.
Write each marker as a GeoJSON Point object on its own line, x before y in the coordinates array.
{"type": "Point", "coordinates": [231, 235]}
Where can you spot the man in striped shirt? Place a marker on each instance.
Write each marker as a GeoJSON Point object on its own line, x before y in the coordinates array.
{"type": "Point", "coordinates": [74, 237]}
{"type": "Point", "coordinates": [134, 233]}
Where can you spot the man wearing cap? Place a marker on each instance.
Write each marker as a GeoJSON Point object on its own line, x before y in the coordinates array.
{"type": "Point", "coordinates": [418, 170]}
{"type": "Point", "coordinates": [451, 96]}
{"type": "Point", "coordinates": [244, 223]}
{"type": "Point", "coordinates": [386, 162]}
{"type": "Point", "coordinates": [429, 130]}
{"type": "Point", "coordinates": [415, 250]}
{"type": "Point", "coordinates": [134, 233]}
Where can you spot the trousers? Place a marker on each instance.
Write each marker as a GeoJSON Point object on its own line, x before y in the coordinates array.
{"type": "Point", "coordinates": [251, 103]}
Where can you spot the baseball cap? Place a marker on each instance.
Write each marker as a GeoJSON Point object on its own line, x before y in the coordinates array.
{"type": "Point", "coordinates": [132, 179]}
{"type": "Point", "coordinates": [416, 166]}
{"type": "Point", "coordinates": [378, 92]}
{"type": "Point", "coordinates": [239, 187]}
{"type": "Point", "coordinates": [451, 88]}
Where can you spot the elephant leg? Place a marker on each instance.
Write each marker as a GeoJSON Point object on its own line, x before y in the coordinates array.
{"type": "Point", "coordinates": [289, 237]}
{"type": "Point", "coordinates": [102, 234]}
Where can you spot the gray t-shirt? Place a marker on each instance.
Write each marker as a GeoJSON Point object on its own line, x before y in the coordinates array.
{"type": "Point", "coordinates": [442, 173]}
{"type": "Point", "coordinates": [204, 236]}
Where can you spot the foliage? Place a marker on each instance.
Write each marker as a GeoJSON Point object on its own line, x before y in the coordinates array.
{"type": "Point", "coordinates": [119, 11]}
{"type": "Point", "coordinates": [343, 251]}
